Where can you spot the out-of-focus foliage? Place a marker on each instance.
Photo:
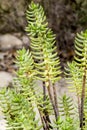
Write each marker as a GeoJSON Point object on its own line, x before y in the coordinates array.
{"type": "Point", "coordinates": [82, 12]}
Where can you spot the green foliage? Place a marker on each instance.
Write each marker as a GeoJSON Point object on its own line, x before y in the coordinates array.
{"type": "Point", "coordinates": [18, 103]}
{"type": "Point", "coordinates": [68, 120]}
{"type": "Point", "coordinates": [81, 49]}
{"type": "Point", "coordinates": [42, 45]}
{"type": "Point", "coordinates": [43, 50]}
{"type": "Point", "coordinates": [81, 12]}
{"type": "Point", "coordinates": [27, 99]}
{"type": "Point", "coordinates": [66, 106]}
{"type": "Point", "coordinates": [67, 124]}
{"type": "Point", "coordinates": [19, 112]}
{"type": "Point", "coordinates": [78, 67]}
{"type": "Point", "coordinates": [78, 75]}
{"type": "Point", "coordinates": [74, 76]}
{"type": "Point", "coordinates": [26, 72]}
{"type": "Point", "coordinates": [26, 82]}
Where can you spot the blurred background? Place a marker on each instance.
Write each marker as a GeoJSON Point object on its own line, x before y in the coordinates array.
{"type": "Point", "coordinates": [65, 17]}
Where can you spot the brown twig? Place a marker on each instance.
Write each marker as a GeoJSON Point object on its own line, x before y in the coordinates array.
{"type": "Point", "coordinates": [42, 120]}
{"type": "Point", "coordinates": [55, 101]}
{"type": "Point", "coordinates": [52, 100]}
{"type": "Point", "coordinates": [46, 116]}
{"type": "Point", "coordinates": [82, 100]}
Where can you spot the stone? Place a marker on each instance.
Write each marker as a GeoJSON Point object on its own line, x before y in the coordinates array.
{"type": "Point", "coordinates": [25, 40]}
{"type": "Point", "coordinates": [8, 41]}
{"type": "Point", "coordinates": [3, 124]}
{"type": "Point", "coordinates": [5, 79]}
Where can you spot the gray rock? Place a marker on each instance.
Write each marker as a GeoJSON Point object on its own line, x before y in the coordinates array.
{"type": "Point", "coordinates": [5, 79]}
{"type": "Point", "coordinates": [3, 122]}
{"type": "Point", "coordinates": [9, 41]}
{"type": "Point", "coordinates": [25, 40]}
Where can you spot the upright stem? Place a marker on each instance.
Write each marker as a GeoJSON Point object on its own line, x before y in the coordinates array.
{"type": "Point", "coordinates": [55, 100]}
{"type": "Point", "coordinates": [44, 91]}
{"type": "Point", "coordinates": [46, 123]}
{"type": "Point", "coordinates": [82, 100]}
{"type": "Point", "coordinates": [79, 106]}
{"type": "Point", "coordinates": [42, 120]}
{"type": "Point", "coordinates": [46, 116]}
{"type": "Point", "coordinates": [52, 101]}
{"type": "Point", "coordinates": [79, 102]}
